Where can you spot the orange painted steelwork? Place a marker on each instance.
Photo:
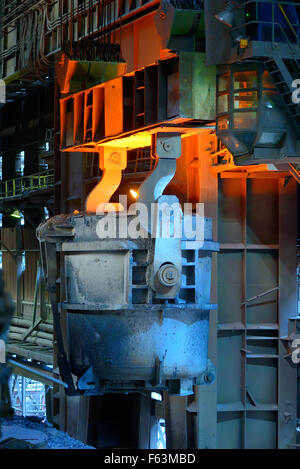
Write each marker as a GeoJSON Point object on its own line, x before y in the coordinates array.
{"type": "Point", "coordinates": [112, 162]}
{"type": "Point", "coordinates": [77, 75]}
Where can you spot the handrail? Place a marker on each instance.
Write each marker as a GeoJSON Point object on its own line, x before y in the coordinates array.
{"type": "Point", "coordinates": [34, 182]}
{"type": "Point", "coordinates": [288, 20]}
{"type": "Point", "coordinates": [274, 24]}
{"type": "Point", "coordinates": [291, 45]}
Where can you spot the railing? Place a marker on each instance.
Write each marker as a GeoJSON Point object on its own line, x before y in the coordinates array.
{"type": "Point", "coordinates": [26, 184]}
{"type": "Point", "coordinates": [272, 21]}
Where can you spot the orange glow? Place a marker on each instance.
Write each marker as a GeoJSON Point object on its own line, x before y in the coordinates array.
{"type": "Point", "coordinates": [102, 193]}
{"type": "Point", "coordinates": [75, 212]}
{"type": "Point", "coordinates": [112, 161]}
{"type": "Point", "coordinates": [134, 193]}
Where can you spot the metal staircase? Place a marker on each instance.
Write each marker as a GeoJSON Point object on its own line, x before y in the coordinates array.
{"type": "Point", "coordinates": [283, 73]}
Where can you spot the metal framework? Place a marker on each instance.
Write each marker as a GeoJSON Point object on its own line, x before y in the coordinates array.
{"type": "Point", "coordinates": [59, 21]}
{"type": "Point", "coordinates": [26, 184]}
{"type": "Point", "coordinates": [254, 276]}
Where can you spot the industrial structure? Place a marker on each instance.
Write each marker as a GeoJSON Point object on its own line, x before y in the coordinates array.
{"type": "Point", "coordinates": [189, 109]}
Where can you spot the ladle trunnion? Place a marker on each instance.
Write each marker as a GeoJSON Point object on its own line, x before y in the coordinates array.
{"type": "Point", "coordinates": [137, 310]}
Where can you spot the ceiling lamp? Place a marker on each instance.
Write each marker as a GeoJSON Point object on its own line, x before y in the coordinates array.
{"type": "Point", "coordinates": [226, 16]}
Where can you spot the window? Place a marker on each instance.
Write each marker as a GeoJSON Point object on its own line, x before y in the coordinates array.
{"type": "Point", "coordinates": [223, 104]}
{"type": "Point", "coordinates": [223, 82]}
{"type": "Point", "coordinates": [27, 396]}
{"type": "Point", "coordinates": [245, 99]}
{"type": "Point", "coordinates": [20, 163]}
{"type": "Point", "coordinates": [244, 120]}
{"type": "Point", "coordinates": [244, 80]}
{"type": "Point", "coordinates": [267, 81]}
{"type": "Point", "coordinates": [223, 123]}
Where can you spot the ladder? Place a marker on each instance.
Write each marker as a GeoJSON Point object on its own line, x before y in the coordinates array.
{"type": "Point", "coordinates": [283, 73]}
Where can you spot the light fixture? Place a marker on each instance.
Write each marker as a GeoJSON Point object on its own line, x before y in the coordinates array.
{"type": "Point", "coordinates": [134, 193]}
{"type": "Point", "coordinates": [226, 16]}
{"type": "Point", "coordinates": [269, 104]}
{"type": "Point", "coordinates": [16, 214]}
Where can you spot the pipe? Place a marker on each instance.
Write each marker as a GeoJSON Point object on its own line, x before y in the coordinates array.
{"type": "Point", "coordinates": [20, 322]}
{"type": "Point", "coordinates": [36, 372]}
{"type": "Point", "coordinates": [31, 340]}
{"type": "Point", "coordinates": [22, 331]}
{"type": "Point", "coordinates": [46, 327]}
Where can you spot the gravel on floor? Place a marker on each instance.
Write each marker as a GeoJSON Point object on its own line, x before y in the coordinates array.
{"type": "Point", "coordinates": [56, 438]}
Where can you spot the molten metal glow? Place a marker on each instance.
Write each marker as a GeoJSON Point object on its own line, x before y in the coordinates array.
{"type": "Point", "coordinates": [134, 193]}
{"type": "Point", "coordinates": [102, 193]}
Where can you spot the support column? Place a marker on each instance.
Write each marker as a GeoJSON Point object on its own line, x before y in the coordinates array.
{"type": "Point", "coordinates": [287, 371]}
{"type": "Point", "coordinates": [176, 421]}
